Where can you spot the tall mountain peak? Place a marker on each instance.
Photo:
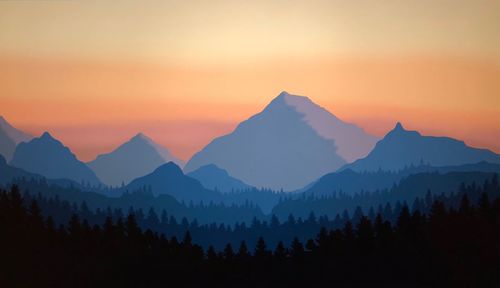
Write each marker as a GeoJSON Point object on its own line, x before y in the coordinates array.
{"type": "Point", "coordinates": [291, 135]}
{"type": "Point", "coordinates": [283, 94]}
{"type": "Point", "coordinates": [140, 136]}
{"type": "Point", "coordinates": [284, 98]}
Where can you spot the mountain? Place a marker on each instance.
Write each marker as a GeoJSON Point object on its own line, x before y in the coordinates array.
{"type": "Point", "coordinates": [291, 143]}
{"type": "Point", "coordinates": [407, 190]}
{"type": "Point", "coordinates": [50, 158]}
{"type": "Point", "coordinates": [170, 180]}
{"type": "Point", "coordinates": [215, 178]}
{"type": "Point", "coordinates": [400, 148]}
{"type": "Point", "coordinates": [351, 182]}
{"type": "Point", "coordinates": [9, 173]}
{"type": "Point", "coordinates": [10, 137]}
{"type": "Point", "coordinates": [134, 158]}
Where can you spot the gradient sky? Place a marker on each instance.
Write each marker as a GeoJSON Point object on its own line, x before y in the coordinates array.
{"type": "Point", "coordinates": [94, 73]}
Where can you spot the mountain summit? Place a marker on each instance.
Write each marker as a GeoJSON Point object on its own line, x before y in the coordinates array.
{"type": "Point", "coordinates": [10, 137]}
{"type": "Point", "coordinates": [47, 156]}
{"type": "Point", "coordinates": [169, 179]}
{"type": "Point", "coordinates": [351, 141]}
{"type": "Point", "coordinates": [135, 158]}
{"type": "Point", "coordinates": [401, 147]}
{"type": "Point", "coordinates": [291, 143]}
{"type": "Point", "coordinates": [215, 178]}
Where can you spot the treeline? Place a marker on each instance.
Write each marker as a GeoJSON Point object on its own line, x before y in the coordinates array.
{"type": "Point", "coordinates": [270, 227]}
{"type": "Point", "coordinates": [140, 199]}
{"type": "Point", "coordinates": [448, 247]}
{"type": "Point", "coordinates": [407, 190]}
{"type": "Point", "coordinates": [245, 206]}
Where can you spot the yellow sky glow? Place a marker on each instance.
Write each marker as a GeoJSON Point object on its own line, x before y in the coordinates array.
{"type": "Point", "coordinates": [96, 72]}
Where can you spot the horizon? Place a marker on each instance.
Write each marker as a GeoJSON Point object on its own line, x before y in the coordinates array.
{"type": "Point", "coordinates": [140, 132]}
{"type": "Point", "coordinates": [265, 143]}
{"type": "Point", "coordinates": [94, 74]}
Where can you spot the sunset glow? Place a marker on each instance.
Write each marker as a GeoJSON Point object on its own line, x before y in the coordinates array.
{"type": "Point", "coordinates": [184, 76]}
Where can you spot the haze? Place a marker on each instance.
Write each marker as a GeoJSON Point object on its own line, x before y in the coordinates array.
{"type": "Point", "coordinates": [94, 73]}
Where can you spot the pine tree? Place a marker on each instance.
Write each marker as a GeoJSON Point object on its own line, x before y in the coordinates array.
{"type": "Point", "coordinates": [211, 255]}
{"type": "Point", "coordinates": [297, 249]}
{"type": "Point", "coordinates": [365, 235]}
{"type": "Point", "coordinates": [261, 249]}
{"type": "Point", "coordinates": [280, 251]}
{"type": "Point", "coordinates": [187, 240]}
{"type": "Point", "coordinates": [228, 252]}
{"type": "Point", "coordinates": [243, 251]}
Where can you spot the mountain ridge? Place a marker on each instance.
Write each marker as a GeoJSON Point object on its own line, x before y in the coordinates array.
{"type": "Point", "coordinates": [49, 157]}
{"type": "Point", "coordinates": [276, 148]}
{"type": "Point", "coordinates": [401, 147]}
{"type": "Point", "coordinates": [10, 137]}
{"type": "Point", "coordinates": [170, 180]}
{"type": "Point", "coordinates": [215, 178]}
{"type": "Point", "coordinates": [134, 158]}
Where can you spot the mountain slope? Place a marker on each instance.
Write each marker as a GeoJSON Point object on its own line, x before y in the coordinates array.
{"type": "Point", "coordinates": [291, 143]}
{"type": "Point", "coordinates": [9, 173]}
{"type": "Point", "coordinates": [170, 180]}
{"type": "Point", "coordinates": [351, 182]}
{"type": "Point", "coordinates": [50, 158]}
{"type": "Point", "coordinates": [408, 188]}
{"type": "Point", "coordinates": [400, 148]}
{"type": "Point", "coordinates": [9, 138]}
{"type": "Point", "coordinates": [136, 157]}
{"type": "Point", "coordinates": [215, 178]}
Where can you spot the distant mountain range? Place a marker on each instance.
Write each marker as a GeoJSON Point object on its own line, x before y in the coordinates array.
{"type": "Point", "coordinates": [48, 157]}
{"type": "Point", "coordinates": [352, 182]}
{"type": "Point", "coordinates": [135, 158]}
{"type": "Point", "coordinates": [9, 173]}
{"type": "Point", "coordinates": [215, 178]}
{"type": "Point", "coordinates": [291, 143]}
{"type": "Point", "coordinates": [169, 179]}
{"type": "Point", "coordinates": [9, 138]}
{"type": "Point", "coordinates": [407, 190]}
{"type": "Point", "coordinates": [400, 148]}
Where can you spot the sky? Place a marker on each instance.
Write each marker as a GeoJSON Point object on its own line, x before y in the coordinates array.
{"type": "Point", "coordinates": [95, 73]}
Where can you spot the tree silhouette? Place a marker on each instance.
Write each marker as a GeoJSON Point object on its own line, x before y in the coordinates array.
{"type": "Point", "coordinates": [261, 249]}
{"type": "Point", "coordinates": [453, 244]}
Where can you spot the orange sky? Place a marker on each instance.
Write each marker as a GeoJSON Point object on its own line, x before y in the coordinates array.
{"type": "Point", "coordinates": [184, 72]}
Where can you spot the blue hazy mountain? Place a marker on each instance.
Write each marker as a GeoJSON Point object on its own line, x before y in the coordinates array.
{"type": "Point", "coordinates": [9, 138]}
{"type": "Point", "coordinates": [351, 182]}
{"type": "Point", "coordinates": [8, 173]}
{"type": "Point", "coordinates": [170, 180]}
{"type": "Point", "coordinates": [215, 178]}
{"type": "Point", "coordinates": [408, 189]}
{"type": "Point", "coordinates": [400, 148]}
{"type": "Point", "coordinates": [137, 157]}
{"type": "Point", "coordinates": [291, 143]}
{"type": "Point", "coordinates": [50, 158]}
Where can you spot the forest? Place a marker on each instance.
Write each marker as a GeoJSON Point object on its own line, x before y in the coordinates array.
{"type": "Point", "coordinates": [447, 241]}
